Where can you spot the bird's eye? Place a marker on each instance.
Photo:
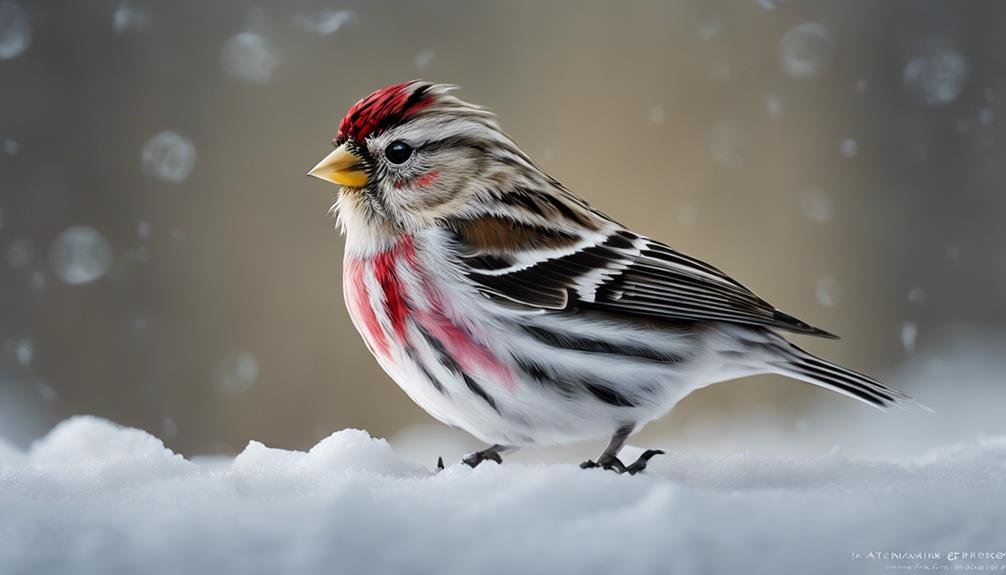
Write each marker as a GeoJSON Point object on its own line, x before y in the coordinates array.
{"type": "Point", "coordinates": [397, 152]}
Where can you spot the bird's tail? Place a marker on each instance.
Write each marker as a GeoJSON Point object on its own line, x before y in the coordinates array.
{"type": "Point", "coordinates": [800, 364]}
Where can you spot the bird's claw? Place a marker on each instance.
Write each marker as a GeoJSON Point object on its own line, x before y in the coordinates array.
{"type": "Point", "coordinates": [472, 460]}
{"type": "Point", "coordinates": [640, 464]}
{"type": "Point", "coordinates": [612, 463]}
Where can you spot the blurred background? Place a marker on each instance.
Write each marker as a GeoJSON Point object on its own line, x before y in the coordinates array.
{"type": "Point", "coordinates": [167, 264]}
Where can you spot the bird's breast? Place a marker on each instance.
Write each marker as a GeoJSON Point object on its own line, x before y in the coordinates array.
{"type": "Point", "coordinates": [376, 295]}
{"type": "Point", "coordinates": [399, 309]}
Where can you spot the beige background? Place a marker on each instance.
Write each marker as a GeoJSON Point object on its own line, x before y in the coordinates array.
{"type": "Point", "coordinates": [676, 118]}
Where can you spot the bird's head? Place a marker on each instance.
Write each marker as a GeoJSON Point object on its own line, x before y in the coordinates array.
{"type": "Point", "coordinates": [411, 153]}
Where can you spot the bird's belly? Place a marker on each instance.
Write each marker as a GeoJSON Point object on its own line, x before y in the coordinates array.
{"type": "Point", "coordinates": [486, 374]}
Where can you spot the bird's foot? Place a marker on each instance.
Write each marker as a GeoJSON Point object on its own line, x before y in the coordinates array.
{"type": "Point", "coordinates": [490, 454]}
{"type": "Point", "coordinates": [612, 463]}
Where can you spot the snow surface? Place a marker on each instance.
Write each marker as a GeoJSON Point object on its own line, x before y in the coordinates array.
{"type": "Point", "coordinates": [93, 497]}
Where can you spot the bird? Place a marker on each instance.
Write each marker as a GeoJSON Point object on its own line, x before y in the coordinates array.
{"type": "Point", "coordinates": [507, 306]}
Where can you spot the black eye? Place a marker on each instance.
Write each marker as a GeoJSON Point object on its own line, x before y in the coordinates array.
{"type": "Point", "coordinates": [397, 152]}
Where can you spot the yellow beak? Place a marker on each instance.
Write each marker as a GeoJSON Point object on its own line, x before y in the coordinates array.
{"type": "Point", "coordinates": [341, 167]}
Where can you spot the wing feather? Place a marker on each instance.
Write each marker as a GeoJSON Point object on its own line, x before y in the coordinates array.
{"type": "Point", "coordinates": [616, 272]}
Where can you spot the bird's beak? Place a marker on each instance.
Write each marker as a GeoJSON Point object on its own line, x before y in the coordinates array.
{"type": "Point", "coordinates": [341, 167]}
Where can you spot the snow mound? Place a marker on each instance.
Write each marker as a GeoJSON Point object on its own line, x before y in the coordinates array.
{"type": "Point", "coordinates": [90, 451]}
{"type": "Point", "coordinates": [94, 497]}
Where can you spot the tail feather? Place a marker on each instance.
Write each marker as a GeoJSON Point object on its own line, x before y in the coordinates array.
{"type": "Point", "coordinates": [807, 367]}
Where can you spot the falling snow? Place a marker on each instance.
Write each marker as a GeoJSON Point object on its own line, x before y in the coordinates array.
{"type": "Point", "coordinates": [773, 105]}
{"type": "Point", "coordinates": [80, 255]}
{"type": "Point", "coordinates": [936, 78]}
{"type": "Point", "coordinates": [169, 426]}
{"type": "Point", "coordinates": [657, 115]}
{"type": "Point", "coordinates": [236, 373]}
{"type": "Point", "coordinates": [169, 156]}
{"type": "Point", "coordinates": [909, 331]}
{"type": "Point", "coordinates": [424, 59]}
{"type": "Point", "coordinates": [818, 206]}
{"type": "Point", "coordinates": [15, 31]}
{"type": "Point", "coordinates": [21, 349]}
{"type": "Point", "coordinates": [710, 29]}
{"type": "Point", "coordinates": [725, 144]}
{"type": "Point", "coordinates": [805, 50]}
{"type": "Point", "coordinates": [250, 57]}
{"type": "Point", "coordinates": [827, 291]}
{"type": "Point", "coordinates": [848, 147]}
{"type": "Point", "coordinates": [38, 280]}
{"type": "Point", "coordinates": [20, 253]}
{"type": "Point", "coordinates": [326, 22]}
{"type": "Point", "coordinates": [24, 350]}
{"type": "Point", "coordinates": [917, 296]}
{"type": "Point", "coordinates": [131, 16]}
{"type": "Point", "coordinates": [46, 392]}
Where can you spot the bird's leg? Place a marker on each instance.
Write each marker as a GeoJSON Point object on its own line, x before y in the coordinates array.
{"type": "Point", "coordinates": [609, 459]}
{"type": "Point", "coordinates": [492, 453]}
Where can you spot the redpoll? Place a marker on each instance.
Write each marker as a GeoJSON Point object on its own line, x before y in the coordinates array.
{"type": "Point", "coordinates": [507, 306]}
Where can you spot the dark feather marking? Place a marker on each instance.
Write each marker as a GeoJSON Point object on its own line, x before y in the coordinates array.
{"type": "Point", "coordinates": [522, 199]}
{"type": "Point", "coordinates": [487, 262]}
{"type": "Point", "coordinates": [857, 390]}
{"type": "Point", "coordinates": [619, 241]}
{"type": "Point", "coordinates": [538, 374]}
{"type": "Point", "coordinates": [422, 367]}
{"type": "Point", "coordinates": [645, 286]}
{"type": "Point", "coordinates": [662, 252]}
{"type": "Point", "coordinates": [852, 376]}
{"type": "Point", "coordinates": [451, 365]}
{"type": "Point", "coordinates": [454, 142]}
{"type": "Point", "coordinates": [609, 396]}
{"type": "Point", "coordinates": [516, 287]}
{"type": "Point", "coordinates": [477, 390]}
{"type": "Point", "coordinates": [563, 209]}
{"type": "Point", "coordinates": [566, 340]}
{"type": "Point", "coordinates": [572, 385]}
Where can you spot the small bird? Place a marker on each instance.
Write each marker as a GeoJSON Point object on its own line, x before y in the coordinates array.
{"type": "Point", "coordinates": [507, 306]}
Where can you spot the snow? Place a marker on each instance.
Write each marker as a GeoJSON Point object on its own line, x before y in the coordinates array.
{"type": "Point", "coordinates": [828, 291]}
{"type": "Point", "coordinates": [20, 253]}
{"type": "Point", "coordinates": [80, 255]}
{"type": "Point", "coordinates": [818, 206]}
{"type": "Point", "coordinates": [848, 147]}
{"type": "Point", "coordinates": [250, 57]}
{"type": "Point", "coordinates": [805, 50]}
{"type": "Point", "coordinates": [169, 156]}
{"type": "Point", "coordinates": [236, 373]}
{"type": "Point", "coordinates": [326, 22]}
{"type": "Point", "coordinates": [937, 77]}
{"type": "Point", "coordinates": [425, 58]}
{"type": "Point", "coordinates": [94, 497]}
{"type": "Point", "coordinates": [131, 16]}
{"type": "Point", "coordinates": [15, 31]}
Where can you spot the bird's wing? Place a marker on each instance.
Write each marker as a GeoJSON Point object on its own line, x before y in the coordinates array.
{"type": "Point", "coordinates": [610, 270]}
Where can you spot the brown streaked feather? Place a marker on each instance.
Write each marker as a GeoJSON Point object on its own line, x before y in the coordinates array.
{"type": "Point", "coordinates": [498, 234]}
